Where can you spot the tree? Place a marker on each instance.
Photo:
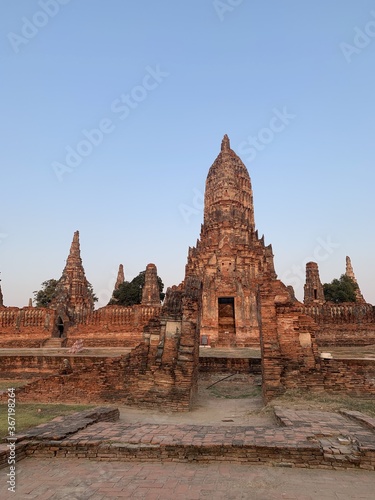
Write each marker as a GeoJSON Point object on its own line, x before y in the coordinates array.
{"type": "Point", "coordinates": [44, 296]}
{"type": "Point", "coordinates": [91, 292]}
{"type": "Point", "coordinates": [340, 290]}
{"type": "Point", "coordinates": [130, 293]}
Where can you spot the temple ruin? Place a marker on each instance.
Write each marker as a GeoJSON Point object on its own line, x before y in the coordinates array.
{"type": "Point", "coordinates": [230, 297]}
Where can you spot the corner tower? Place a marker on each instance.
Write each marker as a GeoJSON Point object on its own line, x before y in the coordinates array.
{"type": "Point", "coordinates": [313, 289]}
{"type": "Point", "coordinates": [229, 258]}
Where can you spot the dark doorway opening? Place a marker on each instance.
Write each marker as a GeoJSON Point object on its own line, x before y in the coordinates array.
{"type": "Point", "coordinates": [60, 327]}
{"type": "Point", "coordinates": [226, 323]}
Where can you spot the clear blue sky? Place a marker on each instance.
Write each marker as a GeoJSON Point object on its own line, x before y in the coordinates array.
{"type": "Point", "coordinates": [165, 80]}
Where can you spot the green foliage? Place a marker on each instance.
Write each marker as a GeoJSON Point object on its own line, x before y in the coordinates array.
{"type": "Point", "coordinates": [91, 291]}
{"type": "Point", "coordinates": [130, 293]}
{"type": "Point", "coordinates": [43, 297]}
{"type": "Point", "coordinates": [340, 290]}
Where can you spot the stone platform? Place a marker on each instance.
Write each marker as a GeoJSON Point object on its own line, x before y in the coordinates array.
{"type": "Point", "coordinates": [307, 439]}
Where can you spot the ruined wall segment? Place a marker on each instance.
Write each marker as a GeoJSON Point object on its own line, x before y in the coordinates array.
{"type": "Point", "coordinates": [345, 324]}
{"type": "Point", "coordinates": [25, 327]}
{"type": "Point", "coordinates": [113, 326]}
{"type": "Point", "coordinates": [163, 370]}
{"type": "Point", "coordinates": [288, 344]}
{"type": "Point", "coordinates": [229, 259]}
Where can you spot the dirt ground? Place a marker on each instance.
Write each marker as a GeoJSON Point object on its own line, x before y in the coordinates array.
{"type": "Point", "coordinates": [229, 402]}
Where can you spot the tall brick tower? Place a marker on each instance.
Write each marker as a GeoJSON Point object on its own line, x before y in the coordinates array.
{"type": "Point", "coordinates": [150, 291]}
{"type": "Point", "coordinates": [313, 289]}
{"type": "Point", "coordinates": [73, 292]}
{"type": "Point", "coordinates": [1, 298]}
{"type": "Point", "coordinates": [229, 258]}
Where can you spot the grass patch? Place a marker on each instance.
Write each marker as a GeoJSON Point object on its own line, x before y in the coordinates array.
{"type": "Point", "coordinates": [306, 400]}
{"type": "Point", "coordinates": [32, 414]}
{"type": "Point", "coordinates": [6, 384]}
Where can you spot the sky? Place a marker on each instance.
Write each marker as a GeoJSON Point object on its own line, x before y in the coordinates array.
{"type": "Point", "coordinates": [112, 112]}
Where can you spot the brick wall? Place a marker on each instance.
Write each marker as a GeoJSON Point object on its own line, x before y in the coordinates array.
{"type": "Point", "coordinates": [111, 326]}
{"type": "Point", "coordinates": [343, 324]}
{"type": "Point", "coordinates": [93, 380]}
{"type": "Point", "coordinates": [290, 358]}
{"type": "Point", "coordinates": [26, 327]}
{"type": "Point", "coordinates": [161, 372]}
{"type": "Point", "coordinates": [350, 334]}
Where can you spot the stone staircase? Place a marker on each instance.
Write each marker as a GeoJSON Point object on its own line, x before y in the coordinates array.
{"type": "Point", "coordinates": [53, 343]}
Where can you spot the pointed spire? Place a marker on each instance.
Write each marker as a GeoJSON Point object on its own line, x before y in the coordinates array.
{"type": "Point", "coordinates": [349, 270]}
{"type": "Point", "coordinates": [73, 292]}
{"type": "Point", "coordinates": [225, 143]}
{"type": "Point", "coordinates": [228, 195]}
{"type": "Point", "coordinates": [75, 251]}
{"type": "Point", "coordinates": [120, 277]}
{"type": "Point", "coordinates": [350, 273]}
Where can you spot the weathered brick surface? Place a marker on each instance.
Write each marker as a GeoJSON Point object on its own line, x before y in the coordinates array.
{"type": "Point", "coordinates": [73, 294]}
{"type": "Point", "coordinates": [229, 259]}
{"type": "Point", "coordinates": [122, 325]}
{"type": "Point", "coordinates": [28, 324]}
{"type": "Point", "coordinates": [350, 273]}
{"type": "Point", "coordinates": [349, 324]}
{"type": "Point", "coordinates": [313, 289]}
{"type": "Point", "coordinates": [290, 357]}
{"type": "Point", "coordinates": [150, 291]}
{"type": "Point", "coordinates": [114, 326]}
{"type": "Point", "coordinates": [306, 439]}
{"type": "Point", "coordinates": [92, 380]}
{"type": "Point", "coordinates": [56, 430]}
